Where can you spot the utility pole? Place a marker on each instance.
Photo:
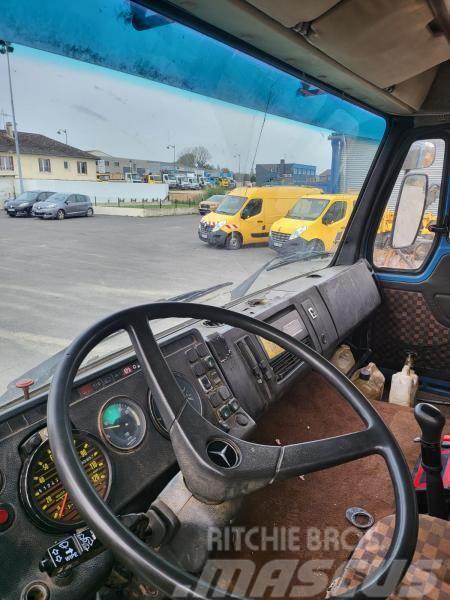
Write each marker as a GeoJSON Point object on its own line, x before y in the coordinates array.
{"type": "Point", "coordinates": [174, 154]}
{"type": "Point", "coordinates": [6, 48]}
{"type": "Point", "coordinates": [63, 131]}
{"type": "Point", "coordinates": [238, 156]}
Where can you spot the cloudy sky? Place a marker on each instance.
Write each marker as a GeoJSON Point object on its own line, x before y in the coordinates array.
{"type": "Point", "coordinates": [128, 116]}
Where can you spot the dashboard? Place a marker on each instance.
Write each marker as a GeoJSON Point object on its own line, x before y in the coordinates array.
{"type": "Point", "coordinates": [228, 375]}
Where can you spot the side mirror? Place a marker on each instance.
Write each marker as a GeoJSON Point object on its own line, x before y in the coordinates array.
{"type": "Point", "coordinates": [327, 219]}
{"type": "Point", "coordinates": [409, 210]}
{"type": "Point", "coordinates": [67, 201]}
{"type": "Point", "coordinates": [245, 213]}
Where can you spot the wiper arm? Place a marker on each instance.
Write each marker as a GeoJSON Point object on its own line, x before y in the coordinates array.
{"type": "Point", "coordinates": [294, 258]}
{"type": "Point", "coordinates": [193, 295]}
{"type": "Point", "coordinates": [241, 289]}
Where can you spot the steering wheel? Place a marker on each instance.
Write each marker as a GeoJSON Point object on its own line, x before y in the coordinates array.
{"type": "Point", "coordinates": [251, 466]}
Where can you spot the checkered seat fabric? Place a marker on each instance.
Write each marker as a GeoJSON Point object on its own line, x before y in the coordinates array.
{"type": "Point", "coordinates": [428, 576]}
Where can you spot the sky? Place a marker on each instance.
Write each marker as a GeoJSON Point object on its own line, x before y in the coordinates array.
{"type": "Point", "coordinates": [132, 117]}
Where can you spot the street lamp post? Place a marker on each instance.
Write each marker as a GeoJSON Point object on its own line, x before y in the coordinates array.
{"type": "Point", "coordinates": [63, 131]}
{"type": "Point", "coordinates": [238, 156]}
{"type": "Point", "coordinates": [6, 48]}
{"type": "Point", "coordinates": [174, 155]}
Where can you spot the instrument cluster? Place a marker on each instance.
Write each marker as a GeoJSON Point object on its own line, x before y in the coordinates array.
{"type": "Point", "coordinates": [121, 426]}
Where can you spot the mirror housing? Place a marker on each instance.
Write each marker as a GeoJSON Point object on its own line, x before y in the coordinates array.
{"type": "Point", "coordinates": [409, 210]}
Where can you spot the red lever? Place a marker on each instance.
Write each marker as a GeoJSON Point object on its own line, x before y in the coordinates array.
{"type": "Point", "coordinates": [24, 384]}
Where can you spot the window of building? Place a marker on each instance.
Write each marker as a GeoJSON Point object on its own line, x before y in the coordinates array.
{"type": "Point", "coordinates": [66, 164]}
{"type": "Point", "coordinates": [82, 167]}
{"type": "Point", "coordinates": [6, 163]}
{"type": "Point", "coordinates": [117, 164]}
{"type": "Point", "coordinates": [106, 163]}
{"type": "Point", "coordinates": [44, 165]}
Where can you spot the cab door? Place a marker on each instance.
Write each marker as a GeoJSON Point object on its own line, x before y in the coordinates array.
{"type": "Point", "coordinates": [415, 281]}
{"type": "Point", "coordinates": [333, 223]}
{"type": "Point", "coordinates": [254, 228]}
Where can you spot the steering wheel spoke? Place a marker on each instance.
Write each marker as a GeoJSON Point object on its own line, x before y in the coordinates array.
{"type": "Point", "coordinates": [307, 457]}
{"type": "Point", "coordinates": [151, 360]}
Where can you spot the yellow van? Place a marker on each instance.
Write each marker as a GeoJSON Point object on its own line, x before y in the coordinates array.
{"type": "Point", "coordinates": [314, 222]}
{"type": "Point", "coordinates": [246, 215]}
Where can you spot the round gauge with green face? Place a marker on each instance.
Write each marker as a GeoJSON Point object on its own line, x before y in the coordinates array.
{"type": "Point", "coordinates": [122, 423]}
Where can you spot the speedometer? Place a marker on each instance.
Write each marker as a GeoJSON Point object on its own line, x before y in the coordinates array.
{"type": "Point", "coordinates": [190, 394]}
{"type": "Point", "coordinates": [44, 495]}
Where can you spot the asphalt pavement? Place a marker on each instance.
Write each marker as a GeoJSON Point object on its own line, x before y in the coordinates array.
{"type": "Point", "coordinates": [56, 278]}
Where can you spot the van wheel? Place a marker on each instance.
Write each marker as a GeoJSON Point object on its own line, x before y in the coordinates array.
{"type": "Point", "coordinates": [60, 215]}
{"type": "Point", "coordinates": [316, 246]}
{"type": "Point", "coordinates": [89, 212]}
{"type": "Point", "coordinates": [234, 241]}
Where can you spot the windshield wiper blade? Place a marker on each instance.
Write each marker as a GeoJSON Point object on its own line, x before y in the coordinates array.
{"type": "Point", "coordinates": [294, 258]}
{"type": "Point", "coordinates": [241, 289]}
{"type": "Point", "coordinates": [193, 295]}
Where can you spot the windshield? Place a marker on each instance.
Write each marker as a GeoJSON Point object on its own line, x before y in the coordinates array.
{"type": "Point", "coordinates": [56, 197]}
{"type": "Point", "coordinates": [26, 196]}
{"type": "Point", "coordinates": [308, 209]}
{"type": "Point", "coordinates": [231, 205]}
{"type": "Point", "coordinates": [162, 97]}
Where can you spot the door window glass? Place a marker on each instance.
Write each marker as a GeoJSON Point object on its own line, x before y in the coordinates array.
{"type": "Point", "coordinates": [253, 208]}
{"type": "Point", "coordinates": [425, 157]}
{"type": "Point", "coordinates": [336, 212]}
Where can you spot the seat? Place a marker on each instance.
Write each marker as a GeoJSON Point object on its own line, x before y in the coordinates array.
{"type": "Point", "coordinates": [428, 576]}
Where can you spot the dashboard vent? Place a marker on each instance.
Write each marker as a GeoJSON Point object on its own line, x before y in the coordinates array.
{"type": "Point", "coordinates": [285, 363]}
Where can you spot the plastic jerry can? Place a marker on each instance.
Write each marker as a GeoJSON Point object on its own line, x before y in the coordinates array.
{"type": "Point", "coordinates": [404, 386]}
{"type": "Point", "coordinates": [370, 382]}
{"type": "Point", "coordinates": [343, 359]}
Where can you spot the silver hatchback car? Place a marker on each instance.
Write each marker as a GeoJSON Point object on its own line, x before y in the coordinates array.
{"type": "Point", "coordinates": [60, 206]}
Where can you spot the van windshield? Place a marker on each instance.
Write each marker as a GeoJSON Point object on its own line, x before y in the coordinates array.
{"type": "Point", "coordinates": [308, 209]}
{"type": "Point", "coordinates": [231, 205]}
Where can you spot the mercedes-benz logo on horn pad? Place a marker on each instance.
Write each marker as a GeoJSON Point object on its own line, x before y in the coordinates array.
{"type": "Point", "coordinates": [222, 454]}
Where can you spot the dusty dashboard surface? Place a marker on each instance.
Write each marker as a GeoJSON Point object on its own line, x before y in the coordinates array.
{"type": "Point", "coordinates": [228, 375]}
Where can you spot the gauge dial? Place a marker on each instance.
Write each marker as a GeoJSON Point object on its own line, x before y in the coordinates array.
{"type": "Point", "coordinates": [189, 392]}
{"type": "Point", "coordinates": [45, 496]}
{"type": "Point", "coordinates": [122, 423]}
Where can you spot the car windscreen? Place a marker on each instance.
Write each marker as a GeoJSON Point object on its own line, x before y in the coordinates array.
{"type": "Point", "coordinates": [231, 205]}
{"type": "Point", "coordinates": [56, 198]}
{"type": "Point", "coordinates": [308, 209]}
{"type": "Point", "coordinates": [26, 196]}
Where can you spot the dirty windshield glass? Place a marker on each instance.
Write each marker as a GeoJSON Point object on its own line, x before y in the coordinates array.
{"type": "Point", "coordinates": [138, 119]}
{"type": "Point", "coordinates": [308, 209]}
{"type": "Point", "coordinates": [231, 205]}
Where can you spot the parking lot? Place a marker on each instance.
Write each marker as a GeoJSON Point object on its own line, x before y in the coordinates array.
{"type": "Point", "coordinates": [56, 277]}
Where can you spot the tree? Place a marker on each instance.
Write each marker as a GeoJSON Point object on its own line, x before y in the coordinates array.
{"type": "Point", "coordinates": [186, 159]}
{"type": "Point", "coordinates": [196, 156]}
